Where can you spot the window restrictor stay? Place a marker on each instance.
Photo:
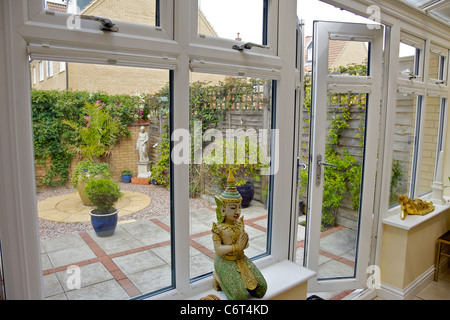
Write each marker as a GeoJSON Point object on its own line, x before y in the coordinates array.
{"type": "Point", "coordinates": [248, 45]}
{"type": "Point", "coordinates": [106, 24]}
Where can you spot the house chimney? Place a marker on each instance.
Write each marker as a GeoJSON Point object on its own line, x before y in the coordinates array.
{"type": "Point", "coordinates": [238, 37]}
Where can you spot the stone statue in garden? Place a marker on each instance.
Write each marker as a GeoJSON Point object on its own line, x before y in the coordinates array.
{"type": "Point", "coordinates": [141, 145]}
{"type": "Point", "coordinates": [234, 273]}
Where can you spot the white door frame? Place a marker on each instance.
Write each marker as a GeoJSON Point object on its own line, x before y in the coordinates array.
{"type": "Point", "coordinates": [323, 83]}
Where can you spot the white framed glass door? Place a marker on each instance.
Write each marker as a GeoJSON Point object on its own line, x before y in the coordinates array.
{"type": "Point", "coordinates": [346, 92]}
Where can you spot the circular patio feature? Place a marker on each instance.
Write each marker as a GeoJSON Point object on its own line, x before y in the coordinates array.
{"type": "Point", "coordinates": [70, 208]}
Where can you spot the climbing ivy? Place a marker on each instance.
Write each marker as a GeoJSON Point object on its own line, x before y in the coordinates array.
{"type": "Point", "coordinates": [345, 177]}
{"type": "Point", "coordinates": [52, 139]}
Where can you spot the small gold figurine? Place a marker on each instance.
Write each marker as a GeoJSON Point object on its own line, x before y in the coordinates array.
{"type": "Point", "coordinates": [414, 206]}
{"type": "Point", "coordinates": [234, 273]}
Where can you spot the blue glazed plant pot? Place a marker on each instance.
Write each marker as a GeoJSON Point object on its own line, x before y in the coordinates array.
{"type": "Point", "coordinates": [247, 192]}
{"type": "Point", "coordinates": [126, 178]}
{"type": "Point", "coordinates": [104, 224]}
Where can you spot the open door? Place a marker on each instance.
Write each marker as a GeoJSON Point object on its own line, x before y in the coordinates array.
{"type": "Point", "coordinates": [345, 107]}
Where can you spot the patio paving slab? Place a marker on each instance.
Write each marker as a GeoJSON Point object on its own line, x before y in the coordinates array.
{"type": "Point", "coordinates": [153, 279]}
{"type": "Point", "coordinates": [140, 252]}
{"type": "Point", "coordinates": [107, 290]}
{"type": "Point", "coordinates": [339, 242]}
{"type": "Point", "coordinates": [139, 261]}
{"type": "Point", "coordinates": [70, 256]}
{"type": "Point", "coordinates": [89, 274]}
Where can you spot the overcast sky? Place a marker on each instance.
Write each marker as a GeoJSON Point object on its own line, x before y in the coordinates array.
{"type": "Point", "coordinates": [245, 16]}
{"type": "Point", "coordinates": [228, 17]}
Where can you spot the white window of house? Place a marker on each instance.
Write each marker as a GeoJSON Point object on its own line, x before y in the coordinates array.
{"type": "Point", "coordinates": [168, 46]}
{"type": "Point", "coordinates": [41, 70]}
{"type": "Point", "coordinates": [49, 69]}
{"type": "Point", "coordinates": [309, 53]}
{"type": "Point", "coordinates": [62, 66]}
{"type": "Point", "coordinates": [34, 75]}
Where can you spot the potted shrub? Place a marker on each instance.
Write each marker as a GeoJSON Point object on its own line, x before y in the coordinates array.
{"type": "Point", "coordinates": [104, 193]}
{"type": "Point", "coordinates": [126, 176]}
{"type": "Point", "coordinates": [97, 132]}
{"type": "Point", "coordinates": [85, 172]}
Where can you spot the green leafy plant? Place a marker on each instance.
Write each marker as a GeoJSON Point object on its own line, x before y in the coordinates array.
{"type": "Point", "coordinates": [249, 170]}
{"type": "Point", "coordinates": [160, 170]}
{"type": "Point", "coordinates": [88, 171]}
{"type": "Point", "coordinates": [345, 178]}
{"type": "Point", "coordinates": [50, 135]}
{"type": "Point", "coordinates": [127, 172]}
{"type": "Point", "coordinates": [97, 135]}
{"type": "Point", "coordinates": [103, 193]}
{"type": "Point", "coordinates": [396, 177]}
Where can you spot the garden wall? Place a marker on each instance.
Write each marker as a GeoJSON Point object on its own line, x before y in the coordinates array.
{"type": "Point", "coordinates": [123, 156]}
{"type": "Point", "coordinates": [233, 119]}
{"type": "Point", "coordinates": [349, 140]}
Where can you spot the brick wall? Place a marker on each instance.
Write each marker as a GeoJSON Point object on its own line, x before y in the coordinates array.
{"type": "Point", "coordinates": [123, 156]}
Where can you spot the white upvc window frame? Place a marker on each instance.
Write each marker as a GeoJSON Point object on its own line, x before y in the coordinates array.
{"type": "Point", "coordinates": [422, 87]}
{"type": "Point", "coordinates": [442, 80]}
{"type": "Point", "coordinates": [45, 36]}
{"type": "Point", "coordinates": [227, 44]}
{"type": "Point", "coordinates": [419, 44]}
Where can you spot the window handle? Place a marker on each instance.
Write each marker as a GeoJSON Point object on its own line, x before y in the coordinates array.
{"type": "Point", "coordinates": [248, 45]}
{"type": "Point", "coordinates": [106, 24]}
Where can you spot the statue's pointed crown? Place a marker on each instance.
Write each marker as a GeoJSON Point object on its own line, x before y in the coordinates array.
{"type": "Point", "coordinates": [231, 194]}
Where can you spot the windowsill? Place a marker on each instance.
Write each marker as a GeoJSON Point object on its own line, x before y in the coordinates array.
{"type": "Point", "coordinates": [280, 277]}
{"type": "Point", "coordinates": [412, 221]}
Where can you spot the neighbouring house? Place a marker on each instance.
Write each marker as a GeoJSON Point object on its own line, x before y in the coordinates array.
{"type": "Point", "coordinates": [341, 53]}
{"type": "Point", "coordinates": [61, 75]}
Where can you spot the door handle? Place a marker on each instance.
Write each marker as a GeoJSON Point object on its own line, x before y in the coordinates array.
{"type": "Point", "coordinates": [321, 163]}
{"type": "Point", "coordinates": [326, 164]}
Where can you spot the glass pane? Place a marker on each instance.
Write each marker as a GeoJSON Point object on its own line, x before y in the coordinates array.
{"type": "Point", "coordinates": [232, 19]}
{"type": "Point", "coordinates": [137, 11]}
{"type": "Point", "coordinates": [442, 13]}
{"type": "Point", "coordinates": [429, 144]}
{"type": "Point", "coordinates": [342, 185]}
{"type": "Point", "coordinates": [303, 172]}
{"type": "Point", "coordinates": [409, 61]}
{"type": "Point", "coordinates": [348, 57]}
{"type": "Point", "coordinates": [403, 149]}
{"type": "Point", "coordinates": [436, 66]}
{"type": "Point", "coordinates": [122, 124]}
{"type": "Point", "coordinates": [421, 3]}
{"type": "Point", "coordinates": [223, 112]}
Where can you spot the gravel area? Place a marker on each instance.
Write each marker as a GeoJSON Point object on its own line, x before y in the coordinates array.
{"type": "Point", "coordinates": [159, 206]}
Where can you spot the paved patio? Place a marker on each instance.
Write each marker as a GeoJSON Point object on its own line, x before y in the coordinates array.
{"type": "Point", "coordinates": [137, 259]}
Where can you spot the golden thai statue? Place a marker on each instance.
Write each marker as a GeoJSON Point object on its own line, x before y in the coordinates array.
{"type": "Point", "coordinates": [234, 273]}
{"type": "Point", "coordinates": [414, 206]}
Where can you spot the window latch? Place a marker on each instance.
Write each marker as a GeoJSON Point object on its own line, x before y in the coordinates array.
{"type": "Point", "coordinates": [247, 45]}
{"type": "Point", "coordinates": [106, 24]}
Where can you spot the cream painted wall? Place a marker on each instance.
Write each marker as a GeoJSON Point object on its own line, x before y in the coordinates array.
{"type": "Point", "coordinates": [407, 254]}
